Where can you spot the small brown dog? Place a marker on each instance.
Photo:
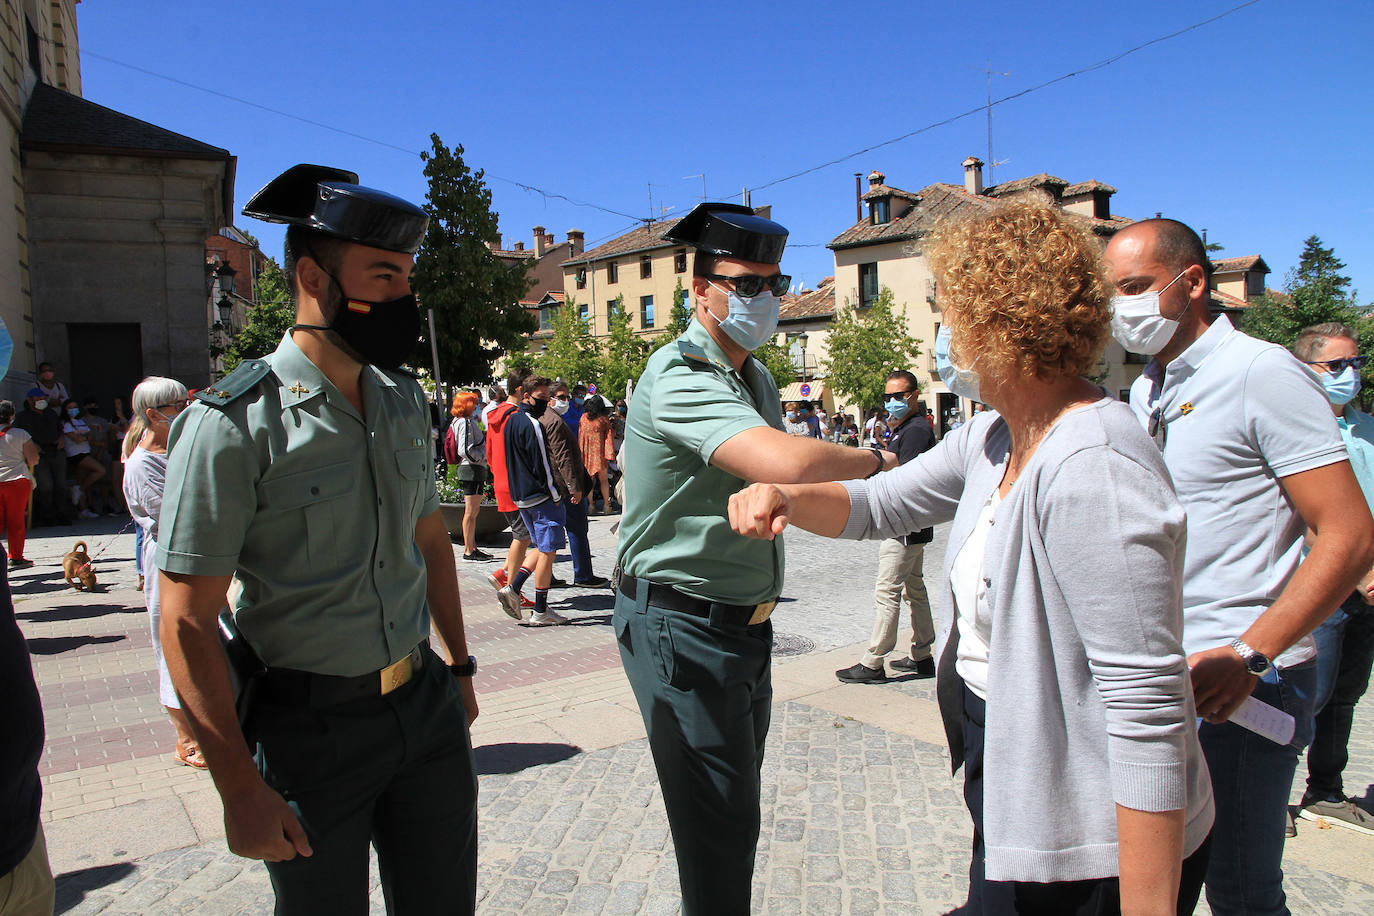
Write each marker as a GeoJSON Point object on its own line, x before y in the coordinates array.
{"type": "Point", "coordinates": [76, 567]}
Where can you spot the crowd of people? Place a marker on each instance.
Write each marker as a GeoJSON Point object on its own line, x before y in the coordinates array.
{"type": "Point", "coordinates": [1123, 579]}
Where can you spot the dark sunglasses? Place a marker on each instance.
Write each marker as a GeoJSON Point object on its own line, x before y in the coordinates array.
{"type": "Point", "coordinates": [1338, 365]}
{"type": "Point", "coordinates": [750, 285]}
{"type": "Point", "coordinates": [898, 394]}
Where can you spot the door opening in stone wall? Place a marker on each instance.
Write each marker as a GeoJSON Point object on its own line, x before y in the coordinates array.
{"type": "Point", "coordinates": [106, 361]}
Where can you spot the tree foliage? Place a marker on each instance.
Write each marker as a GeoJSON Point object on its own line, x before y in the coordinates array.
{"type": "Point", "coordinates": [679, 316]}
{"type": "Point", "coordinates": [268, 321]}
{"type": "Point", "coordinates": [626, 352]}
{"type": "Point", "coordinates": [475, 296]}
{"type": "Point", "coordinates": [778, 363]}
{"type": "Point", "coordinates": [864, 347]}
{"type": "Point", "coordinates": [571, 354]}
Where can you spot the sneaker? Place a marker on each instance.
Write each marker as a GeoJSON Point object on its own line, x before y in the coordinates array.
{"type": "Point", "coordinates": [861, 674]}
{"type": "Point", "coordinates": [547, 619]}
{"type": "Point", "coordinates": [87, 513]}
{"type": "Point", "coordinates": [1290, 829]}
{"type": "Point", "coordinates": [20, 563]}
{"type": "Point", "coordinates": [556, 582]}
{"type": "Point", "coordinates": [593, 582]}
{"type": "Point", "coordinates": [923, 668]}
{"type": "Point", "coordinates": [510, 601]}
{"type": "Point", "coordinates": [479, 555]}
{"type": "Point", "coordinates": [1343, 813]}
{"type": "Point", "coordinates": [526, 603]}
{"type": "Point", "coordinates": [497, 579]}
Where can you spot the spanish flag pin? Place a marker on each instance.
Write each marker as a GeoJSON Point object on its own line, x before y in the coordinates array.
{"type": "Point", "coordinates": [1186, 408]}
{"type": "Point", "coordinates": [362, 308]}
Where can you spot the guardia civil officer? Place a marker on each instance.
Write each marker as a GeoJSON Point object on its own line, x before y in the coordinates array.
{"type": "Point", "coordinates": [306, 478]}
{"type": "Point", "coordinates": [691, 615]}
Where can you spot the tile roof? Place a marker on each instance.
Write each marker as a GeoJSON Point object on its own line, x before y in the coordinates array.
{"type": "Point", "coordinates": [883, 190]}
{"type": "Point", "coordinates": [1043, 180]}
{"type": "Point", "coordinates": [814, 303]}
{"type": "Point", "coordinates": [1227, 301]}
{"type": "Point", "coordinates": [1083, 187]}
{"type": "Point", "coordinates": [1245, 262]}
{"type": "Point", "coordinates": [57, 120]}
{"type": "Point", "coordinates": [643, 238]}
{"type": "Point", "coordinates": [940, 201]}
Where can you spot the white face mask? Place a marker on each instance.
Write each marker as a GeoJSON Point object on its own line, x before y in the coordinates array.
{"type": "Point", "coordinates": [963, 382]}
{"type": "Point", "coordinates": [560, 406]}
{"type": "Point", "coordinates": [1137, 324]}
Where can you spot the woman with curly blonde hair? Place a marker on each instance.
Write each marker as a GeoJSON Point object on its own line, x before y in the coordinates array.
{"type": "Point", "coordinates": [1062, 679]}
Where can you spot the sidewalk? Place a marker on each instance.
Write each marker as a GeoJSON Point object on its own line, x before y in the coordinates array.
{"type": "Point", "coordinates": [860, 813]}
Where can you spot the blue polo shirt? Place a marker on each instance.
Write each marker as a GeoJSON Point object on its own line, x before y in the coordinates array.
{"type": "Point", "coordinates": [1237, 415]}
{"type": "Point", "coordinates": [1357, 430]}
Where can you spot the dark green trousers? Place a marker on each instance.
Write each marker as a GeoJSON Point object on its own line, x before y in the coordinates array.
{"type": "Point", "coordinates": [706, 693]}
{"type": "Point", "coordinates": [395, 772]}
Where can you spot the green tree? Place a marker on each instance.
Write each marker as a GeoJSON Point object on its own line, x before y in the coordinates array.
{"type": "Point", "coordinates": [571, 353]}
{"type": "Point", "coordinates": [626, 352]}
{"type": "Point", "coordinates": [679, 317]}
{"type": "Point", "coordinates": [268, 321]}
{"type": "Point", "coordinates": [475, 297]}
{"type": "Point", "coordinates": [778, 363]}
{"type": "Point", "coordinates": [864, 347]}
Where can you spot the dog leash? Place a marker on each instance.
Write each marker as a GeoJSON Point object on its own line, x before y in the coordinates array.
{"type": "Point", "coordinates": [132, 521]}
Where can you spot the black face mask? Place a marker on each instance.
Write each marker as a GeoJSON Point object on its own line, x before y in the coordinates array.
{"type": "Point", "coordinates": [538, 407]}
{"type": "Point", "coordinates": [382, 333]}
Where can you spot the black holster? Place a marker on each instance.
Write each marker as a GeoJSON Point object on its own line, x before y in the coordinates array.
{"type": "Point", "coordinates": [246, 669]}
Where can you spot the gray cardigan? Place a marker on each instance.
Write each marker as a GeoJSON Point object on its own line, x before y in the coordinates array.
{"type": "Point", "coordinates": [1089, 701]}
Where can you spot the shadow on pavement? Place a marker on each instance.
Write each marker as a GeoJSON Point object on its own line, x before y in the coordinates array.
{"type": "Point", "coordinates": [40, 586]}
{"type": "Point", "coordinates": [77, 613]}
{"type": "Point", "coordinates": [73, 885]}
{"type": "Point", "coordinates": [585, 603]}
{"type": "Point", "coordinates": [56, 645]}
{"type": "Point", "coordinates": [511, 757]}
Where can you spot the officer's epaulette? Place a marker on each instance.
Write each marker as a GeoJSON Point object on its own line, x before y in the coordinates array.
{"type": "Point", "coordinates": [694, 355]}
{"type": "Point", "coordinates": [235, 384]}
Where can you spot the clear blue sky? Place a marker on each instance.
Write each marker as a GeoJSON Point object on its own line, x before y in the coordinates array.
{"type": "Point", "coordinates": [1257, 127]}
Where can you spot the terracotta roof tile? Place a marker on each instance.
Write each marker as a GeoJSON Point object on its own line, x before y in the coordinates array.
{"type": "Point", "coordinates": [1083, 187]}
{"type": "Point", "coordinates": [814, 303]}
{"type": "Point", "coordinates": [644, 238]}
{"type": "Point", "coordinates": [1244, 262]}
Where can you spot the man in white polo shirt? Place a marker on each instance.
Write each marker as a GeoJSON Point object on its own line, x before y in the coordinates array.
{"type": "Point", "coordinates": [1256, 458]}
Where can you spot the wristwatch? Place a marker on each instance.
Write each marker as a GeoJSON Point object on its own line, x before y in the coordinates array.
{"type": "Point", "coordinates": [467, 669]}
{"type": "Point", "coordinates": [1257, 663]}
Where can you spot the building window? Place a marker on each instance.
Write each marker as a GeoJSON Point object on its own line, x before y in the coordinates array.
{"type": "Point", "coordinates": [610, 309]}
{"type": "Point", "coordinates": [881, 211]}
{"type": "Point", "coordinates": [548, 315]}
{"type": "Point", "coordinates": [680, 261]}
{"type": "Point", "coordinates": [612, 272]}
{"type": "Point", "coordinates": [868, 284]}
{"type": "Point", "coordinates": [1137, 359]}
{"type": "Point", "coordinates": [646, 311]}
{"type": "Point", "coordinates": [646, 267]}
{"type": "Point", "coordinates": [584, 311]}
{"type": "Point", "coordinates": [581, 278]}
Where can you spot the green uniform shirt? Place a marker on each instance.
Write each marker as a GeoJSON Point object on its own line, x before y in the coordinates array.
{"type": "Point", "coordinates": [312, 508]}
{"type": "Point", "coordinates": [675, 530]}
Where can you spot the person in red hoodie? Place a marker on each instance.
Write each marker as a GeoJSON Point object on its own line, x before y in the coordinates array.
{"type": "Point", "coordinates": [500, 482]}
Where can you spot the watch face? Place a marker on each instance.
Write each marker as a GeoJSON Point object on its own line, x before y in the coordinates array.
{"type": "Point", "coordinates": [1257, 664]}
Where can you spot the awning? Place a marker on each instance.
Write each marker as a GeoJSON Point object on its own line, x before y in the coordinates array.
{"type": "Point", "coordinates": [815, 391]}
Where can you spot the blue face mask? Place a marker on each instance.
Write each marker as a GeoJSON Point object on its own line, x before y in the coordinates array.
{"type": "Point", "coordinates": [751, 322]}
{"type": "Point", "coordinates": [578, 402]}
{"type": "Point", "coordinates": [73, 412]}
{"type": "Point", "coordinates": [961, 381]}
{"type": "Point", "coordinates": [792, 415]}
{"type": "Point", "coordinates": [896, 407]}
{"type": "Point", "coordinates": [1341, 387]}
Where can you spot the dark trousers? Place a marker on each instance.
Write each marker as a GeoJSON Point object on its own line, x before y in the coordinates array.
{"type": "Point", "coordinates": [706, 694]}
{"type": "Point", "coordinates": [1345, 654]}
{"type": "Point", "coordinates": [52, 503]}
{"type": "Point", "coordinates": [575, 523]}
{"type": "Point", "coordinates": [394, 771]}
{"type": "Point", "coordinates": [1097, 897]}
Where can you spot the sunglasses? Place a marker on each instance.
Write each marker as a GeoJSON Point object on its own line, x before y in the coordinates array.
{"type": "Point", "coordinates": [750, 285]}
{"type": "Point", "coordinates": [1338, 365]}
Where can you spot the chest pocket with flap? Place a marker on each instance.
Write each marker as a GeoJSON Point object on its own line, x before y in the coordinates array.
{"type": "Point", "coordinates": [302, 505]}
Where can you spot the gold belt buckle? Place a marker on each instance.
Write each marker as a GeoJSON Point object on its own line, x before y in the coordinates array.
{"type": "Point", "coordinates": [762, 612]}
{"type": "Point", "coordinates": [397, 674]}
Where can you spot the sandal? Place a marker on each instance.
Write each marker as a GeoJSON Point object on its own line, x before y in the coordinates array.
{"type": "Point", "coordinates": [190, 755]}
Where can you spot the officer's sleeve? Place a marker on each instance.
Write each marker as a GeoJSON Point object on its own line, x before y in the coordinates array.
{"type": "Point", "coordinates": [698, 409]}
{"type": "Point", "coordinates": [1288, 416]}
{"type": "Point", "coordinates": [210, 497]}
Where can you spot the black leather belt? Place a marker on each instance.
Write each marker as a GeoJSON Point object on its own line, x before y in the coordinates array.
{"type": "Point", "coordinates": [665, 596]}
{"type": "Point", "coordinates": [290, 687]}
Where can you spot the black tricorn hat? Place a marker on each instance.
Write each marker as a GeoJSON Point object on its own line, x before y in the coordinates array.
{"type": "Point", "coordinates": [331, 201]}
{"type": "Point", "coordinates": [732, 231]}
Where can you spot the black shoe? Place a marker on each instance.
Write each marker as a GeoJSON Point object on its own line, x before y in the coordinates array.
{"type": "Point", "coordinates": [593, 582]}
{"type": "Point", "coordinates": [923, 668]}
{"type": "Point", "coordinates": [861, 674]}
{"type": "Point", "coordinates": [556, 582]}
{"type": "Point", "coordinates": [477, 555]}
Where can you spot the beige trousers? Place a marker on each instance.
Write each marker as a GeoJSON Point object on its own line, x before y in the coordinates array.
{"type": "Point", "coordinates": [899, 570]}
{"type": "Point", "coordinates": [29, 889]}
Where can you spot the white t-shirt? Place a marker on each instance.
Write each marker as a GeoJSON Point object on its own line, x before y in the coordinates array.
{"type": "Point", "coordinates": [72, 447]}
{"type": "Point", "coordinates": [12, 463]}
{"type": "Point", "coordinates": [972, 614]}
{"type": "Point", "coordinates": [1237, 416]}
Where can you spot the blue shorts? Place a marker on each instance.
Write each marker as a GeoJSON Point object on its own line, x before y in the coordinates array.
{"type": "Point", "coordinates": [545, 522]}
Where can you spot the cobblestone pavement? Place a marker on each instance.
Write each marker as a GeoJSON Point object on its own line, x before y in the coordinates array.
{"type": "Point", "coordinates": [860, 813]}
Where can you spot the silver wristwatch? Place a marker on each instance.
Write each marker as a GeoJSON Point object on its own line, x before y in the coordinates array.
{"type": "Point", "coordinates": [1257, 663]}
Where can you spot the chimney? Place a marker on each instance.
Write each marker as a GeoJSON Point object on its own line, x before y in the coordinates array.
{"type": "Point", "coordinates": [548, 240]}
{"type": "Point", "coordinates": [496, 246]}
{"type": "Point", "coordinates": [539, 241]}
{"type": "Point", "coordinates": [858, 197]}
{"type": "Point", "coordinates": [766, 211]}
{"type": "Point", "coordinates": [876, 178]}
{"type": "Point", "coordinates": [576, 237]}
{"type": "Point", "coordinates": [519, 246]}
{"type": "Point", "coordinates": [973, 175]}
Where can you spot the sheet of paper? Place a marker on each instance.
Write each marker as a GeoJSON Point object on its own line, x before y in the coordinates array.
{"type": "Point", "coordinates": [1265, 721]}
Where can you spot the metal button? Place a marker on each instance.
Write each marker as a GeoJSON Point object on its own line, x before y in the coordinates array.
{"type": "Point", "coordinates": [314, 491]}
{"type": "Point", "coordinates": [391, 626]}
{"type": "Point", "coordinates": [381, 564]}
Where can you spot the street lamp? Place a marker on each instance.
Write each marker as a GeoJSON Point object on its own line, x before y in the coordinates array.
{"type": "Point", "coordinates": [801, 339]}
{"type": "Point", "coordinates": [226, 311]}
{"type": "Point", "coordinates": [225, 274]}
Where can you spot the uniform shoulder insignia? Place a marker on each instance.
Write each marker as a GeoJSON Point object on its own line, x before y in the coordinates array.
{"type": "Point", "coordinates": [235, 384]}
{"type": "Point", "coordinates": [694, 355]}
